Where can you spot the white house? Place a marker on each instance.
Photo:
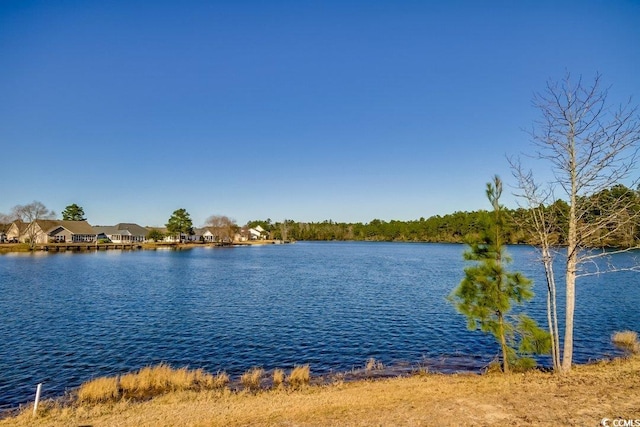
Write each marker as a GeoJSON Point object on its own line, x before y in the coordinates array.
{"type": "Point", "coordinates": [257, 233]}
{"type": "Point", "coordinates": [208, 234]}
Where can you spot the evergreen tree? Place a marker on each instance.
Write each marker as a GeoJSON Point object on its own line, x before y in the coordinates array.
{"type": "Point", "coordinates": [180, 223]}
{"type": "Point", "coordinates": [73, 213]}
{"type": "Point", "coordinates": [488, 289]}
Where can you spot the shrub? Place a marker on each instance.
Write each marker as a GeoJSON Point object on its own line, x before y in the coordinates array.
{"type": "Point", "coordinates": [278, 377]}
{"type": "Point", "coordinates": [299, 376]}
{"type": "Point", "coordinates": [220, 381]}
{"type": "Point", "coordinates": [627, 340]}
{"type": "Point", "coordinates": [251, 379]}
{"type": "Point", "coordinates": [522, 364]}
{"type": "Point", "coordinates": [422, 370]}
{"type": "Point", "coordinates": [155, 235]}
{"type": "Point", "coordinates": [373, 365]}
{"type": "Point", "coordinates": [102, 389]}
{"type": "Point", "coordinates": [148, 382]}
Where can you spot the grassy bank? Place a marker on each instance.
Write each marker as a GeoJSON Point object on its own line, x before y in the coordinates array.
{"type": "Point", "coordinates": [583, 397]}
{"type": "Point", "coordinates": [23, 247]}
{"type": "Point", "coordinates": [14, 247]}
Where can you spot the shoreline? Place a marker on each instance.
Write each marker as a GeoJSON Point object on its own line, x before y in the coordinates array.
{"type": "Point", "coordinates": [86, 247]}
{"type": "Point", "coordinates": [584, 396]}
{"type": "Point", "coordinates": [370, 369]}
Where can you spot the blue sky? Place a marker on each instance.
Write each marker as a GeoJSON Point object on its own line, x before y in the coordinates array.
{"type": "Point", "coordinates": [346, 110]}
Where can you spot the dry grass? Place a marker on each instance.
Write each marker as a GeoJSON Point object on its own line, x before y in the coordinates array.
{"type": "Point", "coordinates": [422, 371]}
{"type": "Point", "coordinates": [14, 247]}
{"type": "Point", "coordinates": [149, 382]}
{"type": "Point", "coordinates": [627, 340]}
{"type": "Point", "coordinates": [251, 379]}
{"type": "Point", "coordinates": [278, 378]}
{"type": "Point", "coordinates": [582, 397]}
{"type": "Point", "coordinates": [99, 390]}
{"type": "Point", "coordinates": [299, 376]}
{"type": "Point", "coordinates": [155, 380]}
{"type": "Point", "coordinates": [219, 381]}
{"type": "Point", "coordinates": [373, 365]}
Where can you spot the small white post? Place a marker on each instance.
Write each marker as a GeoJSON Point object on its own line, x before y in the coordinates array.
{"type": "Point", "coordinates": [35, 406]}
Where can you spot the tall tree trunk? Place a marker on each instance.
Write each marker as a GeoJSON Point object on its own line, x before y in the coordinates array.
{"type": "Point", "coordinates": [552, 312]}
{"type": "Point", "coordinates": [570, 308]}
{"type": "Point", "coordinates": [498, 242]}
{"type": "Point", "coordinates": [503, 344]}
{"type": "Point", "coordinates": [572, 255]}
{"type": "Point", "coordinates": [554, 355]}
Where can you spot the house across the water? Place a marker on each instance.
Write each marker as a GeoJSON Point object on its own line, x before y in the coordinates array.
{"type": "Point", "coordinates": [123, 233]}
{"type": "Point", "coordinates": [72, 232]}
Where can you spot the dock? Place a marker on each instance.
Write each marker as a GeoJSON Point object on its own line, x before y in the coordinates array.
{"type": "Point", "coordinates": [80, 247]}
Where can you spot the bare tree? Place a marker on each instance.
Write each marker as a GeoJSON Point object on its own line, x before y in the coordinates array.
{"type": "Point", "coordinates": [223, 227]}
{"type": "Point", "coordinates": [590, 147]}
{"type": "Point", "coordinates": [543, 222]}
{"type": "Point", "coordinates": [30, 214]}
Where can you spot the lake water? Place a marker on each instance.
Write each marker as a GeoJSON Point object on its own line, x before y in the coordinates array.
{"type": "Point", "coordinates": [66, 318]}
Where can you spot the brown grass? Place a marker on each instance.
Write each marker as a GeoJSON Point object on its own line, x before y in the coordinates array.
{"type": "Point", "coordinates": [14, 247]}
{"type": "Point", "coordinates": [99, 390]}
{"type": "Point", "coordinates": [251, 379]}
{"type": "Point", "coordinates": [584, 396]}
{"type": "Point", "coordinates": [627, 340]}
{"type": "Point", "coordinates": [299, 376]}
{"type": "Point", "coordinates": [373, 365]}
{"type": "Point", "coordinates": [149, 382]}
{"type": "Point", "coordinates": [155, 380]}
{"type": "Point", "coordinates": [218, 382]}
{"type": "Point", "coordinates": [278, 378]}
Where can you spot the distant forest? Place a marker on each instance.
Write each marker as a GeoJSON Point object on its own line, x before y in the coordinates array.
{"type": "Point", "coordinates": [458, 227]}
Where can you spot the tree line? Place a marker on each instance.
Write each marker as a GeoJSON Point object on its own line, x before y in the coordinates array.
{"type": "Point", "coordinates": [461, 227]}
{"type": "Point", "coordinates": [457, 227]}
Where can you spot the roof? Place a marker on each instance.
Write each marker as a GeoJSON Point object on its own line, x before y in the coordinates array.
{"type": "Point", "coordinates": [107, 230]}
{"type": "Point", "coordinates": [22, 226]}
{"type": "Point", "coordinates": [74, 227]}
{"type": "Point", "coordinates": [123, 228]}
{"type": "Point", "coordinates": [134, 229]}
{"type": "Point", "coordinates": [47, 224]}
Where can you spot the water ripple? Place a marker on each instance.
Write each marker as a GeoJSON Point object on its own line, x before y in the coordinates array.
{"type": "Point", "coordinates": [66, 318]}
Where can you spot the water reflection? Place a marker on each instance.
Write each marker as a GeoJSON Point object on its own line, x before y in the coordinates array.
{"type": "Point", "coordinates": [68, 317]}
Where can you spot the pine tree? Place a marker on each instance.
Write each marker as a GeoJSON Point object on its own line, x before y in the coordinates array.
{"type": "Point", "coordinates": [180, 223]}
{"type": "Point", "coordinates": [73, 213]}
{"type": "Point", "coordinates": [488, 289]}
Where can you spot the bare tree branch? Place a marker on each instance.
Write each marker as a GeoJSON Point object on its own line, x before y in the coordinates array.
{"type": "Point", "coordinates": [591, 149]}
